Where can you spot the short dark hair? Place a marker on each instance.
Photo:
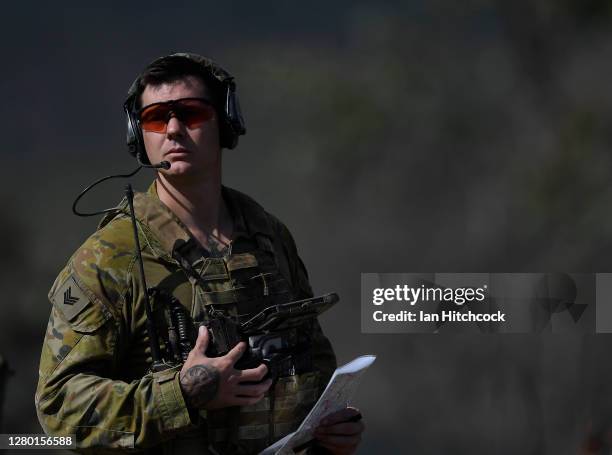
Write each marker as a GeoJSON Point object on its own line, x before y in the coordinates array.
{"type": "Point", "coordinates": [173, 68]}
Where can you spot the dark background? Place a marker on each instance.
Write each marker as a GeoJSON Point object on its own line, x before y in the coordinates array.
{"type": "Point", "coordinates": [412, 136]}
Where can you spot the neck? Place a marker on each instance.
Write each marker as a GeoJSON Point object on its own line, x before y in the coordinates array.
{"type": "Point", "coordinates": [198, 204]}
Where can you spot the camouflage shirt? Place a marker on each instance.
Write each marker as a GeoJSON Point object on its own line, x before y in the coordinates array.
{"type": "Point", "coordinates": [94, 378]}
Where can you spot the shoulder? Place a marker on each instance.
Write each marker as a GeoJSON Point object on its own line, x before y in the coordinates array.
{"type": "Point", "coordinates": [98, 272]}
{"type": "Point", "coordinates": [282, 240]}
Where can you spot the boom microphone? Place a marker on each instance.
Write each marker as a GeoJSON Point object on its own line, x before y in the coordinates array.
{"type": "Point", "coordinates": [160, 165]}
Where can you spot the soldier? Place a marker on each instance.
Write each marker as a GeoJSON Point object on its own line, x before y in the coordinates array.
{"type": "Point", "coordinates": [205, 246]}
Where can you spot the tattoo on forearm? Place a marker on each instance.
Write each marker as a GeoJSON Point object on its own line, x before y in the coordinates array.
{"type": "Point", "coordinates": [200, 384]}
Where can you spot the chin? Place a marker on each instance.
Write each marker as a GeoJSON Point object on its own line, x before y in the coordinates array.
{"type": "Point", "coordinates": [182, 171]}
{"type": "Point", "coordinates": [179, 167]}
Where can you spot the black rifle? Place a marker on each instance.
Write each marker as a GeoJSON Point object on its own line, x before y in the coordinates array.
{"type": "Point", "coordinates": [273, 336]}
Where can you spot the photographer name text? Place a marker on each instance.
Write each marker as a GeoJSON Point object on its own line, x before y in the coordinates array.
{"type": "Point", "coordinates": [412, 296]}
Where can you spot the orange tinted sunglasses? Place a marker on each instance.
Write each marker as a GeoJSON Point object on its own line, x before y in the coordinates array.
{"type": "Point", "coordinates": [191, 112]}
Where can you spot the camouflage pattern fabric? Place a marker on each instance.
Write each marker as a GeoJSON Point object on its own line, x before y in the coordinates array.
{"type": "Point", "coordinates": [94, 378]}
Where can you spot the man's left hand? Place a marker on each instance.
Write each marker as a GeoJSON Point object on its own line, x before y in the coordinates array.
{"type": "Point", "coordinates": [340, 432]}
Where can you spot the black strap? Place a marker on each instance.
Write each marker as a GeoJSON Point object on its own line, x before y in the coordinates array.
{"type": "Point", "coordinates": [180, 253]}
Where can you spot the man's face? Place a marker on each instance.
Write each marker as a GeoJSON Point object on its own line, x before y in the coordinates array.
{"type": "Point", "coordinates": [192, 152]}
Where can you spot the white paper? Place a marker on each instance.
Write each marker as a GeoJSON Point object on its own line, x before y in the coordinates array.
{"type": "Point", "coordinates": [341, 387]}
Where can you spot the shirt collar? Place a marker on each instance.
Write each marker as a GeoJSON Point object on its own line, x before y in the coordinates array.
{"type": "Point", "coordinates": [170, 232]}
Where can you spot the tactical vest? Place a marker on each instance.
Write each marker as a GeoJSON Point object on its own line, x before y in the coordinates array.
{"type": "Point", "coordinates": [254, 274]}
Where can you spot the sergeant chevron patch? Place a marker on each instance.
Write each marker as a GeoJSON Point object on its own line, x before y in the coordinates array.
{"type": "Point", "coordinates": [69, 298]}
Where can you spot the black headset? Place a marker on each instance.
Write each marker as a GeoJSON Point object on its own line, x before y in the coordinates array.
{"type": "Point", "coordinates": [231, 122]}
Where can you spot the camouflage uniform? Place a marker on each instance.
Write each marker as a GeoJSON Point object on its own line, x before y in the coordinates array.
{"type": "Point", "coordinates": [94, 369]}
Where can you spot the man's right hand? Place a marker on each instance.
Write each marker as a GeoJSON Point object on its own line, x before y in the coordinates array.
{"type": "Point", "coordinates": [213, 382]}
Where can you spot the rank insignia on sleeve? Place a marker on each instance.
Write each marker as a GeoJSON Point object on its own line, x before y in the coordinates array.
{"type": "Point", "coordinates": [70, 299]}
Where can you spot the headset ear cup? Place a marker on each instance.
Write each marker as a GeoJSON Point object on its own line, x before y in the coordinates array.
{"type": "Point", "coordinates": [227, 138]}
{"type": "Point", "coordinates": [130, 134]}
{"type": "Point", "coordinates": [130, 137]}
{"type": "Point", "coordinates": [134, 137]}
{"type": "Point", "coordinates": [233, 125]}
{"type": "Point", "coordinates": [140, 148]}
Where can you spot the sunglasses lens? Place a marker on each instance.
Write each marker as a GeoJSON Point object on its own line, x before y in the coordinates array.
{"type": "Point", "coordinates": [155, 118]}
{"type": "Point", "coordinates": [191, 112]}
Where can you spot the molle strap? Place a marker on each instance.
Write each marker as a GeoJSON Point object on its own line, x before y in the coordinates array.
{"type": "Point", "coordinates": [274, 246]}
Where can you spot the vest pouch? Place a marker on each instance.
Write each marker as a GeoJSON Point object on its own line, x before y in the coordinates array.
{"type": "Point", "coordinates": [250, 429]}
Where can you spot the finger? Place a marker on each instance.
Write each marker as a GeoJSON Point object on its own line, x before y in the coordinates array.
{"type": "Point", "coordinates": [202, 342]}
{"type": "Point", "coordinates": [340, 416]}
{"type": "Point", "coordinates": [342, 429]}
{"type": "Point", "coordinates": [234, 355]}
{"type": "Point", "coordinates": [254, 389]}
{"type": "Point", "coordinates": [254, 374]}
